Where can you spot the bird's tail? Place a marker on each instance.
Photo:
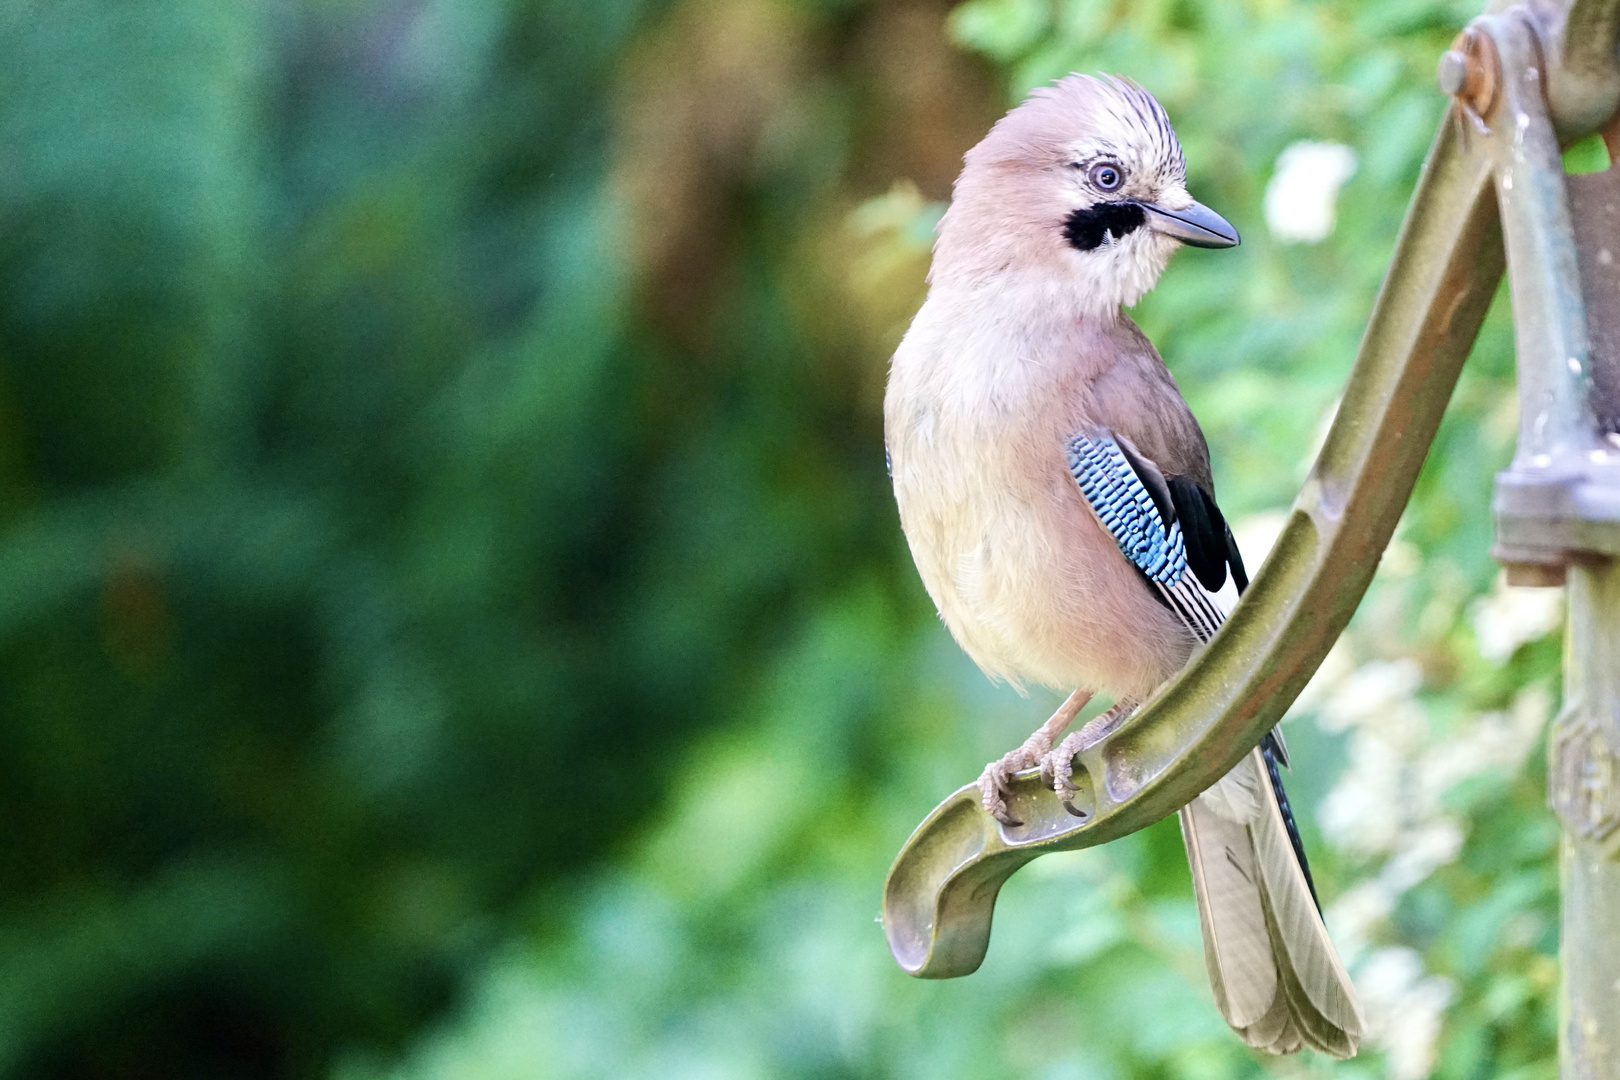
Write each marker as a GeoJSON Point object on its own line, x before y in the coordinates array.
{"type": "Point", "coordinates": [1276, 977]}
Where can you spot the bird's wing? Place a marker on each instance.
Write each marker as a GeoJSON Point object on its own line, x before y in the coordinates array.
{"type": "Point", "coordinates": [1275, 974]}
{"type": "Point", "coordinates": [1169, 528]}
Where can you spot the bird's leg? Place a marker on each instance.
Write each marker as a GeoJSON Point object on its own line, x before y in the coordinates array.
{"type": "Point", "coordinates": [1057, 765]}
{"type": "Point", "coordinates": [993, 781]}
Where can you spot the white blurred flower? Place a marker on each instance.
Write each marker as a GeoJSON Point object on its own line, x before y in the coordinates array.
{"type": "Point", "coordinates": [1421, 851]}
{"type": "Point", "coordinates": [1390, 799]}
{"type": "Point", "coordinates": [1325, 683]}
{"type": "Point", "coordinates": [1401, 559]}
{"type": "Point", "coordinates": [1371, 693]}
{"type": "Point", "coordinates": [1404, 1008]}
{"type": "Point", "coordinates": [1510, 617]}
{"type": "Point", "coordinates": [1303, 190]}
{"type": "Point", "coordinates": [1495, 740]}
{"type": "Point", "coordinates": [1352, 918]}
{"type": "Point", "coordinates": [1257, 534]}
{"type": "Point", "coordinates": [1366, 810]}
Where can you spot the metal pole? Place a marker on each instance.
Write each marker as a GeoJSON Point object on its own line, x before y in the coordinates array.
{"type": "Point", "coordinates": [1558, 504]}
{"type": "Point", "coordinates": [1582, 762]}
{"type": "Point", "coordinates": [1582, 782]}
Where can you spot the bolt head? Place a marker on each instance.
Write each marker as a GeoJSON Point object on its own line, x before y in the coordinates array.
{"type": "Point", "coordinates": [1453, 71]}
{"type": "Point", "coordinates": [1470, 71]}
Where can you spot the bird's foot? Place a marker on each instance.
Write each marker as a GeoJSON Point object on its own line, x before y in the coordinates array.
{"type": "Point", "coordinates": [993, 790]}
{"type": "Point", "coordinates": [1057, 770]}
{"type": "Point", "coordinates": [1057, 764]}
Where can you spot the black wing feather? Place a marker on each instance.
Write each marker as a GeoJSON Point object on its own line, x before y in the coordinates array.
{"type": "Point", "coordinates": [1234, 559]}
{"type": "Point", "coordinates": [1203, 530]}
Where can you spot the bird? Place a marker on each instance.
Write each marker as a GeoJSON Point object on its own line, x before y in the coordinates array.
{"type": "Point", "coordinates": [1056, 493]}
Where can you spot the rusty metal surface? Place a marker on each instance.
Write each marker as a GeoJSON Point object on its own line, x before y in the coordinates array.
{"type": "Point", "coordinates": [941, 890]}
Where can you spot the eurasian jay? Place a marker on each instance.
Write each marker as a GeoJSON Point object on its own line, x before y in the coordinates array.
{"type": "Point", "coordinates": [1056, 493]}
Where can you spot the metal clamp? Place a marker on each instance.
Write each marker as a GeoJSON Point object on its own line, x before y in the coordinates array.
{"type": "Point", "coordinates": [1559, 501]}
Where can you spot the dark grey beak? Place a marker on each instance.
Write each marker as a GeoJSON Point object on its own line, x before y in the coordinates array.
{"type": "Point", "coordinates": [1196, 225]}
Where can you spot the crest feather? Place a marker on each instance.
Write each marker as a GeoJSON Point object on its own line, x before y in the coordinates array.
{"type": "Point", "coordinates": [1053, 119]}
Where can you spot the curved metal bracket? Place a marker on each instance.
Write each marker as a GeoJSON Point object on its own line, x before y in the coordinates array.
{"type": "Point", "coordinates": [940, 893]}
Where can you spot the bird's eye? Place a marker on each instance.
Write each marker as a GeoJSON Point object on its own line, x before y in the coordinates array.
{"type": "Point", "coordinates": [1107, 176]}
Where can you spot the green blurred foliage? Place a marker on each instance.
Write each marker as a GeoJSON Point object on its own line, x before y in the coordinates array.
{"type": "Point", "coordinates": [453, 621]}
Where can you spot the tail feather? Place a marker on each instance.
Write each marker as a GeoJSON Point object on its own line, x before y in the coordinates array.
{"type": "Point", "coordinates": [1277, 979]}
{"type": "Point", "coordinates": [1236, 948]}
{"type": "Point", "coordinates": [1274, 752]}
{"type": "Point", "coordinates": [1276, 1032]}
{"type": "Point", "coordinates": [1324, 986]}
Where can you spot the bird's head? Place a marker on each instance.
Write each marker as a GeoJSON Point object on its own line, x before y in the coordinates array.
{"type": "Point", "coordinates": [1079, 191]}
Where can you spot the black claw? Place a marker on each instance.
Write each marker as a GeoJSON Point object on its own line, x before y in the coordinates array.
{"type": "Point", "coordinates": [1002, 815]}
{"type": "Point", "coordinates": [1068, 804]}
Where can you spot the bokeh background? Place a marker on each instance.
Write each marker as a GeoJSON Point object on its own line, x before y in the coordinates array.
{"type": "Point", "coordinates": [453, 620]}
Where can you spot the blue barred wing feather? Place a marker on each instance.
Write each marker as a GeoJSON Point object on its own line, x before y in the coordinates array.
{"type": "Point", "coordinates": [1138, 507]}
